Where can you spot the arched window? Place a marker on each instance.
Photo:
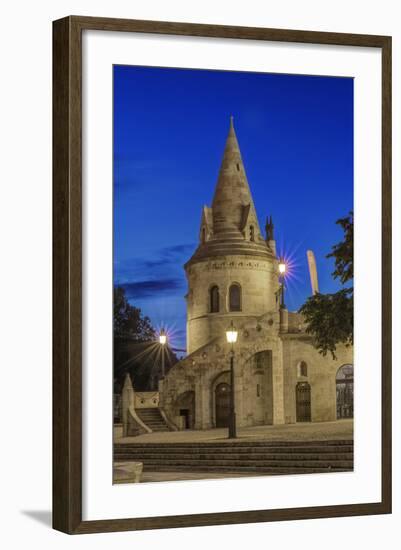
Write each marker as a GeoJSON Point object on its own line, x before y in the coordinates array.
{"type": "Point", "coordinates": [252, 233]}
{"type": "Point", "coordinates": [203, 235]}
{"type": "Point", "coordinates": [346, 372]}
{"type": "Point", "coordinates": [214, 299]}
{"type": "Point", "coordinates": [234, 297]}
{"type": "Point", "coordinates": [302, 369]}
{"type": "Point", "coordinates": [345, 391]}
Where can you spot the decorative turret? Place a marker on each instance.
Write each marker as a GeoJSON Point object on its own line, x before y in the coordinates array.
{"type": "Point", "coordinates": [206, 230]}
{"type": "Point", "coordinates": [269, 228]}
{"type": "Point", "coordinates": [231, 224]}
{"type": "Point", "coordinates": [233, 272]}
{"type": "Point", "coordinates": [127, 402]}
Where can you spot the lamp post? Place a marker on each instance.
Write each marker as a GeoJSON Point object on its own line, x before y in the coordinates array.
{"type": "Point", "coordinates": [163, 341]}
{"type": "Point", "coordinates": [282, 268]}
{"type": "Point", "coordinates": [232, 335]}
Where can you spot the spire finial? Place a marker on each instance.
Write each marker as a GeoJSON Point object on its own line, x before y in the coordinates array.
{"type": "Point", "coordinates": [231, 121]}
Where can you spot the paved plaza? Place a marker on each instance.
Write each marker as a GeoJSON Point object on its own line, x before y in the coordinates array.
{"type": "Point", "coordinates": [316, 431]}
{"type": "Point", "coordinates": [122, 474]}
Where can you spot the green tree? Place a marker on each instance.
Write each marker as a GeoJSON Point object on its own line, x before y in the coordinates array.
{"type": "Point", "coordinates": [343, 252]}
{"type": "Point", "coordinates": [128, 320]}
{"type": "Point", "coordinates": [330, 317]}
{"type": "Point", "coordinates": [135, 350]}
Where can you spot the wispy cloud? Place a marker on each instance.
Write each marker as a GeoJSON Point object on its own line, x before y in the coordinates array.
{"type": "Point", "coordinates": [158, 262]}
{"type": "Point", "coordinates": [147, 289]}
{"type": "Point", "coordinates": [161, 271]}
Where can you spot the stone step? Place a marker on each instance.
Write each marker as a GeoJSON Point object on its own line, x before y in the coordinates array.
{"type": "Point", "coordinates": [156, 425]}
{"type": "Point", "coordinates": [241, 443]}
{"type": "Point", "coordinates": [267, 457]}
{"type": "Point", "coordinates": [217, 449]}
{"type": "Point", "coordinates": [153, 419]}
{"type": "Point", "coordinates": [244, 469]}
{"type": "Point", "coordinates": [233, 463]}
{"type": "Point", "coordinates": [233, 456]}
{"type": "Point", "coordinates": [249, 448]}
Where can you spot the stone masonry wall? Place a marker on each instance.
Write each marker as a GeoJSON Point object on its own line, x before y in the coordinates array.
{"type": "Point", "coordinates": [259, 283]}
{"type": "Point", "coordinates": [321, 375]}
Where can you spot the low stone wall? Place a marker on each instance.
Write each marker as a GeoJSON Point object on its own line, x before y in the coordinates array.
{"type": "Point", "coordinates": [296, 322]}
{"type": "Point", "coordinates": [134, 425]}
{"type": "Point", "coordinates": [146, 400]}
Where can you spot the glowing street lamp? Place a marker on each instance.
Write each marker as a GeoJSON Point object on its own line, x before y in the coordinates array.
{"type": "Point", "coordinates": [232, 335]}
{"type": "Point", "coordinates": [162, 337]}
{"type": "Point", "coordinates": [282, 269]}
{"type": "Point", "coordinates": [163, 342]}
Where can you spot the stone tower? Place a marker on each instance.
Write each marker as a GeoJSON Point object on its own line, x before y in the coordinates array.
{"type": "Point", "coordinates": [233, 273]}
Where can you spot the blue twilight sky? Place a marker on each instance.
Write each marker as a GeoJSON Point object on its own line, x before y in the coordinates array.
{"type": "Point", "coordinates": [170, 126]}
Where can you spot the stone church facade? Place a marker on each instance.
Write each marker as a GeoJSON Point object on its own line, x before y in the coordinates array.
{"type": "Point", "coordinates": [233, 277]}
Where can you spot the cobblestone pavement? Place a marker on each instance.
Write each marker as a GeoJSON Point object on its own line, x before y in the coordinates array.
{"type": "Point", "coordinates": [340, 429]}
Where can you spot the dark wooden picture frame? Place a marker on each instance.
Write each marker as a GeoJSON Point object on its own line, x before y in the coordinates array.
{"type": "Point", "coordinates": [67, 274]}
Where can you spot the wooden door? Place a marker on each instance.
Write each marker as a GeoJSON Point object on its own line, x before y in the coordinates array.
{"type": "Point", "coordinates": [222, 405]}
{"type": "Point", "coordinates": [303, 397]}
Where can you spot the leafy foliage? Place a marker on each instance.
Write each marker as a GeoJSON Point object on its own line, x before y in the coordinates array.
{"type": "Point", "coordinates": [136, 350]}
{"type": "Point", "coordinates": [128, 320]}
{"type": "Point", "coordinates": [330, 317]}
{"type": "Point", "coordinates": [343, 252]}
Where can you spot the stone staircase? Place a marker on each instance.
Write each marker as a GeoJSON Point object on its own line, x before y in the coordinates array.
{"type": "Point", "coordinates": [268, 457]}
{"type": "Point", "coordinates": [153, 419]}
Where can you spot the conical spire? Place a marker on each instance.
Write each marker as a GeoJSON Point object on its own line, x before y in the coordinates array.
{"type": "Point", "coordinates": [232, 201]}
{"type": "Point", "coordinates": [231, 226]}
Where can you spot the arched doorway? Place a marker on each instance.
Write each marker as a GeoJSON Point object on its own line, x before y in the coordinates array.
{"type": "Point", "coordinates": [222, 394]}
{"type": "Point", "coordinates": [303, 401]}
{"type": "Point", "coordinates": [345, 391]}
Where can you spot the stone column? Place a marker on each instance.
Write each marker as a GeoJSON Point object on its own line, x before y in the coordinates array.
{"type": "Point", "coordinates": [283, 320]}
{"type": "Point", "coordinates": [206, 413]}
{"type": "Point", "coordinates": [239, 391]}
{"type": "Point", "coordinates": [202, 400]}
{"type": "Point", "coordinates": [199, 398]}
{"type": "Point", "coordinates": [162, 389]}
{"type": "Point", "coordinates": [128, 400]}
{"type": "Point", "coordinates": [278, 385]}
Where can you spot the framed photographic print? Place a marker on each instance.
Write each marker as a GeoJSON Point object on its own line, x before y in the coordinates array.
{"type": "Point", "coordinates": [222, 275]}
